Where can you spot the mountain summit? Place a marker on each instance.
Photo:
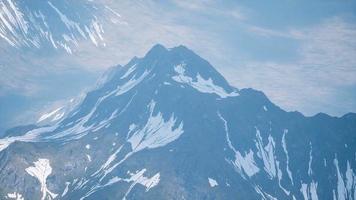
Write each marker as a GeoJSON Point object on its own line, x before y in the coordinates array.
{"type": "Point", "coordinates": [169, 126]}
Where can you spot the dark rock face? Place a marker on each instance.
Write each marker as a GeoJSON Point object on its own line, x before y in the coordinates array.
{"type": "Point", "coordinates": [169, 126]}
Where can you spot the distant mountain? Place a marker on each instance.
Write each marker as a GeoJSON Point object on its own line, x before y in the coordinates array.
{"type": "Point", "coordinates": [169, 126]}
{"type": "Point", "coordinates": [45, 25]}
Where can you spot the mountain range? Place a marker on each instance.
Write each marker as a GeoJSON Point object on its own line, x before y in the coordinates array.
{"type": "Point", "coordinates": [169, 126]}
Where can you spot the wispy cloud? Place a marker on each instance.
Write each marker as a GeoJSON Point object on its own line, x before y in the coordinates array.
{"type": "Point", "coordinates": [324, 62]}
{"type": "Point", "coordinates": [212, 7]}
{"type": "Point", "coordinates": [266, 32]}
{"type": "Point", "coordinates": [194, 4]}
{"type": "Point", "coordinates": [318, 79]}
{"type": "Point", "coordinates": [328, 47]}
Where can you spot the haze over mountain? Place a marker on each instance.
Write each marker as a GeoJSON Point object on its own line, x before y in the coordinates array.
{"type": "Point", "coordinates": [300, 54]}
{"type": "Point", "coordinates": [38, 40]}
{"type": "Point", "coordinates": [169, 126]}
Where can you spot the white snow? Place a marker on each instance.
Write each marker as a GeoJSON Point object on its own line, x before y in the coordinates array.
{"type": "Point", "coordinates": [266, 154]}
{"type": "Point", "coordinates": [309, 191]}
{"type": "Point", "coordinates": [81, 128]}
{"type": "Point", "coordinates": [80, 184]}
{"type": "Point", "coordinates": [212, 182]}
{"type": "Point", "coordinates": [16, 22]}
{"type": "Point", "coordinates": [50, 114]}
{"type": "Point", "coordinates": [41, 170]}
{"type": "Point", "coordinates": [147, 182]}
{"type": "Point", "coordinates": [113, 181]}
{"type": "Point", "coordinates": [128, 85]}
{"type": "Point", "coordinates": [245, 163]}
{"type": "Point", "coordinates": [157, 132]}
{"type": "Point", "coordinates": [87, 146]}
{"type": "Point", "coordinates": [341, 189]}
{"type": "Point", "coordinates": [310, 171]}
{"type": "Point", "coordinates": [132, 127]}
{"type": "Point", "coordinates": [91, 35]}
{"type": "Point", "coordinates": [12, 23]}
{"type": "Point", "coordinates": [30, 136]}
{"type": "Point", "coordinates": [264, 194]}
{"type": "Point", "coordinates": [304, 191]}
{"type": "Point", "coordinates": [265, 108]}
{"type": "Point", "coordinates": [201, 84]}
{"type": "Point", "coordinates": [134, 178]}
{"type": "Point", "coordinates": [346, 186]}
{"type": "Point", "coordinates": [105, 166]}
{"type": "Point", "coordinates": [66, 189]}
{"type": "Point", "coordinates": [114, 12]}
{"type": "Point", "coordinates": [139, 178]}
{"type": "Point", "coordinates": [93, 30]}
{"type": "Point", "coordinates": [60, 112]}
{"type": "Point", "coordinates": [280, 176]}
{"type": "Point", "coordinates": [116, 17]}
{"type": "Point", "coordinates": [284, 145]}
{"type": "Point", "coordinates": [313, 189]}
{"type": "Point", "coordinates": [129, 71]}
{"type": "Point", "coordinates": [350, 181]}
{"type": "Point", "coordinates": [89, 157]}
{"type": "Point", "coordinates": [58, 116]}
{"type": "Point", "coordinates": [15, 195]}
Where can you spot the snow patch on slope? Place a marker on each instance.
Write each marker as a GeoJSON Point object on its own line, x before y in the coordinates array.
{"type": "Point", "coordinates": [346, 187]}
{"type": "Point", "coordinates": [263, 194]}
{"type": "Point", "coordinates": [284, 145]}
{"type": "Point", "coordinates": [242, 163]}
{"type": "Point", "coordinates": [310, 171]}
{"type": "Point", "coordinates": [138, 177]}
{"type": "Point", "coordinates": [30, 136]}
{"type": "Point", "coordinates": [135, 178]}
{"type": "Point", "coordinates": [50, 114]}
{"type": "Point", "coordinates": [267, 154]}
{"type": "Point", "coordinates": [15, 196]}
{"type": "Point", "coordinates": [81, 127]}
{"type": "Point", "coordinates": [41, 170]}
{"type": "Point", "coordinates": [309, 191]}
{"type": "Point", "coordinates": [201, 84]}
{"type": "Point", "coordinates": [157, 132]}
{"type": "Point", "coordinates": [212, 182]}
{"type": "Point", "coordinates": [54, 116]}
{"type": "Point", "coordinates": [65, 191]}
{"type": "Point", "coordinates": [121, 89]}
{"type": "Point", "coordinates": [129, 71]}
{"type": "Point", "coordinates": [265, 108]}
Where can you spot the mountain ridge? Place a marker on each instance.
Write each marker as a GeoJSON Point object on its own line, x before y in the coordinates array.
{"type": "Point", "coordinates": [169, 126]}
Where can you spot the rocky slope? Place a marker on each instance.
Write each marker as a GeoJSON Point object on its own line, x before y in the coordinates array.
{"type": "Point", "coordinates": [169, 126]}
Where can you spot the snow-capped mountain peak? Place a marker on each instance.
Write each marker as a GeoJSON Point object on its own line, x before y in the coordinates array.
{"type": "Point", "coordinates": [169, 126]}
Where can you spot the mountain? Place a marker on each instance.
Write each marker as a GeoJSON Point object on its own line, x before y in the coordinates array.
{"type": "Point", "coordinates": [169, 126]}
{"type": "Point", "coordinates": [43, 46]}
{"type": "Point", "coordinates": [51, 25]}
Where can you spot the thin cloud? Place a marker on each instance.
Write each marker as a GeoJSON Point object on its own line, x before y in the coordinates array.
{"type": "Point", "coordinates": [325, 52]}
{"type": "Point", "coordinates": [317, 80]}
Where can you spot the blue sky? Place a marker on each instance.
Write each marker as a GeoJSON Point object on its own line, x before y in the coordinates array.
{"type": "Point", "coordinates": [302, 54]}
